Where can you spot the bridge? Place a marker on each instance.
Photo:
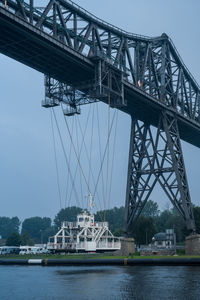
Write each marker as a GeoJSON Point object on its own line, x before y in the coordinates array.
{"type": "Point", "coordinates": [85, 60]}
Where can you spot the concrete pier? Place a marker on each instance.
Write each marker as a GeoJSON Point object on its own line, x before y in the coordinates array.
{"type": "Point", "coordinates": [127, 247]}
{"type": "Point", "coordinates": [192, 245]}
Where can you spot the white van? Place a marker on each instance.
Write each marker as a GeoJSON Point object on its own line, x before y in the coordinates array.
{"type": "Point", "coordinates": [25, 250]}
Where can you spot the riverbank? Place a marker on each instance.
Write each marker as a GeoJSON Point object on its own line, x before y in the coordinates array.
{"type": "Point", "coordinates": [86, 256]}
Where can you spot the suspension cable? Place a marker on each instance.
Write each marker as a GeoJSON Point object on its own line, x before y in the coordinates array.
{"type": "Point", "coordinates": [56, 160]}
{"type": "Point", "coordinates": [82, 142]}
{"type": "Point", "coordinates": [70, 152]}
{"type": "Point", "coordinates": [100, 153]}
{"type": "Point", "coordinates": [76, 154]}
{"type": "Point", "coordinates": [65, 155]}
{"type": "Point", "coordinates": [88, 161]}
{"type": "Point", "coordinates": [102, 162]}
{"type": "Point", "coordinates": [113, 155]}
{"type": "Point", "coordinates": [91, 143]}
{"type": "Point", "coordinates": [80, 177]}
{"type": "Point", "coordinates": [108, 150]}
{"type": "Point", "coordinates": [78, 159]}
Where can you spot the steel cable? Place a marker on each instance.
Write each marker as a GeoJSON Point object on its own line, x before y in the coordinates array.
{"type": "Point", "coordinates": [65, 155]}
{"type": "Point", "coordinates": [113, 156]}
{"type": "Point", "coordinates": [56, 160]}
{"type": "Point", "coordinates": [82, 142]}
{"type": "Point", "coordinates": [70, 152]}
{"type": "Point", "coordinates": [102, 162]}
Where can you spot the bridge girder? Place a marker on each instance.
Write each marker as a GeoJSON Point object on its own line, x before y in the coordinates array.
{"type": "Point", "coordinates": [151, 66]}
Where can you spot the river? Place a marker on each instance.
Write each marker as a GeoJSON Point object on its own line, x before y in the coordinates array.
{"type": "Point", "coordinates": [99, 283]}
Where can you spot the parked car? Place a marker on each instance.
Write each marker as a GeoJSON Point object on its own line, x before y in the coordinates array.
{"type": "Point", "coordinates": [40, 250]}
{"type": "Point", "coordinates": [33, 250]}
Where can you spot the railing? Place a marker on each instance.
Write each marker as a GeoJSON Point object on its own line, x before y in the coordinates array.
{"type": "Point", "coordinates": [60, 246]}
{"type": "Point", "coordinates": [182, 62]}
{"type": "Point", "coordinates": [70, 224]}
{"type": "Point", "coordinates": [157, 248]}
{"type": "Point", "coordinates": [75, 224]}
{"type": "Point", "coordinates": [104, 23]}
{"type": "Point", "coordinates": [101, 224]}
{"type": "Point", "coordinates": [109, 245]}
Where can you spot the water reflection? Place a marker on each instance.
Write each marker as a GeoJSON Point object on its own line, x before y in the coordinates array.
{"type": "Point", "coordinates": [162, 283]}
{"type": "Point", "coordinates": [99, 283]}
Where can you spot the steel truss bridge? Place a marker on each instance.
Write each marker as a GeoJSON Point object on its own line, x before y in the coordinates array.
{"type": "Point", "coordinates": [85, 59]}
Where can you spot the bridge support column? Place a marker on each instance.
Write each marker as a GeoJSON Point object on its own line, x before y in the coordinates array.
{"type": "Point", "coordinates": [192, 245]}
{"type": "Point", "coordinates": [156, 156]}
{"type": "Point", "coordinates": [127, 247]}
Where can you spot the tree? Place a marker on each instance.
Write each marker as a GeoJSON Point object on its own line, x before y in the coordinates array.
{"type": "Point", "coordinates": [67, 214]}
{"type": "Point", "coordinates": [115, 218]}
{"type": "Point", "coordinates": [26, 240]}
{"type": "Point", "coordinates": [8, 226]}
{"type": "Point", "coordinates": [47, 233]}
{"type": "Point", "coordinates": [14, 240]}
{"type": "Point", "coordinates": [196, 210]}
{"type": "Point", "coordinates": [162, 220]}
{"type": "Point", "coordinates": [36, 227]}
{"type": "Point", "coordinates": [171, 219]}
{"type": "Point", "coordinates": [150, 209]}
{"type": "Point", "coordinates": [144, 230]}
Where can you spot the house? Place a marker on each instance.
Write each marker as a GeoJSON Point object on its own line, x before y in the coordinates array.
{"type": "Point", "coordinates": [165, 239]}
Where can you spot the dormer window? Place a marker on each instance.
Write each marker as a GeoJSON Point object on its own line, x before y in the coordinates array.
{"type": "Point", "coordinates": [80, 219]}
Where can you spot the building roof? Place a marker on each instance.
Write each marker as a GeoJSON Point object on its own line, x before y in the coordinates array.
{"type": "Point", "coordinates": [161, 236]}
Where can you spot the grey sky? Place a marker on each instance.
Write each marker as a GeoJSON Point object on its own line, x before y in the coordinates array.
{"type": "Point", "coordinates": [27, 173]}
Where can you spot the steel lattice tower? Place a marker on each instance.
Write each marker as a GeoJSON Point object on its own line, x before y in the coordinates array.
{"type": "Point", "coordinates": [156, 158]}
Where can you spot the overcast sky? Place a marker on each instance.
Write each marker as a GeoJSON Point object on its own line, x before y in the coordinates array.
{"type": "Point", "coordinates": [27, 174]}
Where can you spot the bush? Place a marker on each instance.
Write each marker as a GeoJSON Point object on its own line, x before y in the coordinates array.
{"type": "Point", "coordinates": [180, 251]}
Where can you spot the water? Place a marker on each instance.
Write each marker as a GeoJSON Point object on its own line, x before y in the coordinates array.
{"type": "Point", "coordinates": [99, 283]}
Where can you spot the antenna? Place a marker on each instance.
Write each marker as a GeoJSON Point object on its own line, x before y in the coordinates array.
{"type": "Point", "coordinates": [91, 202]}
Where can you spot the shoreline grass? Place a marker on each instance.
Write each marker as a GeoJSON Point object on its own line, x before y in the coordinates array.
{"type": "Point", "coordinates": [92, 256]}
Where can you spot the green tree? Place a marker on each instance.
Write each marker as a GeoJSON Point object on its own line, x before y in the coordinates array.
{"type": "Point", "coordinates": [115, 218]}
{"type": "Point", "coordinates": [171, 219]}
{"type": "Point", "coordinates": [26, 240]}
{"type": "Point", "coordinates": [196, 210]}
{"type": "Point", "coordinates": [177, 223]}
{"type": "Point", "coordinates": [36, 227]}
{"type": "Point", "coordinates": [50, 231]}
{"type": "Point", "coordinates": [150, 209]}
{"type": "Point", "coordinates": [8, 226]}
{"type": "Point", "coordinates": [162, 221]}
{"type": "Point", "coordinates": [67, 214]}
{"type": "Point", "coordinates": [14, 239]}
{"type": "Point", "coordinates": [143, 230]}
